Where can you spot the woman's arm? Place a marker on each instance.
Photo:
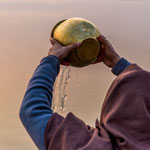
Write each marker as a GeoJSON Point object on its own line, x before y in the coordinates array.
{"type": "Point", "coordinates": [36, 110]}
{"type": "Point", "coordinates": [110, 57]}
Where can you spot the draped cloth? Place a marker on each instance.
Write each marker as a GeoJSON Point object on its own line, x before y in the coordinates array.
{"type": "Point", "coordinates": [124, 123]}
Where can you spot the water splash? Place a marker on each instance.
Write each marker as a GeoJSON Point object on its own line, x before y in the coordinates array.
{"type": "Point", "coordinates": [60, 90]}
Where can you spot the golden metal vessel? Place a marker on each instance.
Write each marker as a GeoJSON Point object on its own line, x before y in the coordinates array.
{"type": "Point", "coordinates": [78, 30]}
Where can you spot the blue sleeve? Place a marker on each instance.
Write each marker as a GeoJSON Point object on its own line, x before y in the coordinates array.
{"type": "Point", "coordinates": [36, 110]}
{"type": "Point", "coordinates": [120, 66]}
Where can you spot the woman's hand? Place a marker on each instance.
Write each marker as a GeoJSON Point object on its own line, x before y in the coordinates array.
{"type": "Point", "coordinates": [107, 55]}
{"type": "Point", "coordinates": [61, 52]}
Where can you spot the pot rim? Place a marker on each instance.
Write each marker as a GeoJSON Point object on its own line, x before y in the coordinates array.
{"type": "Point", "coordinates": [54, 28]}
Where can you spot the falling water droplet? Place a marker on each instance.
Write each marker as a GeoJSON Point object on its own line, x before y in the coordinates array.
{"type": "Point", "coordinates": [78, 84]}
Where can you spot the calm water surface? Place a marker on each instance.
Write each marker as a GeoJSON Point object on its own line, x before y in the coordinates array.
{"type": "Point", "coordinates": [25, 27]}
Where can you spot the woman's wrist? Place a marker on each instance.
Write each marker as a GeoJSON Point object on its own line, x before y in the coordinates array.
{"type": "Point", "coordinates": [115, 60]}
{"type": "Point", "coordinates": [120, 66]}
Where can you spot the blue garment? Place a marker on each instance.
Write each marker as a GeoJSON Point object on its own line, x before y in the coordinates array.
{"type": "Point", "coordinates": [120, 66]}
{"type": "Point", "coordinates": [36, 110]}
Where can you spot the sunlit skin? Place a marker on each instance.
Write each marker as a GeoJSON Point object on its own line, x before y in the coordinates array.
{"type": "Point", "coordinates": [61, 52]}
{"type": "Point", "coordinates": [108, 54]}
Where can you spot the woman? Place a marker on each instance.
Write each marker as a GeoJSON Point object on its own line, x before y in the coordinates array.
{"type": "Point", "coordinates": [125, 116]}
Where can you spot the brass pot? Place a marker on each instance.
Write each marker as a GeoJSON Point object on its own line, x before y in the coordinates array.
{"type": "Point", "coordinates": [78, 30]}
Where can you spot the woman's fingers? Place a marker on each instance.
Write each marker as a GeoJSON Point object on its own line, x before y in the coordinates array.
{"type": "Point", "coordinates": [103, 40]}
{"type": "Point", "coordinates": [72, 47]}
{"type": "Point", "coordinates": [60, 51]}
{"type": "Point", "coordinates": [67, 49]}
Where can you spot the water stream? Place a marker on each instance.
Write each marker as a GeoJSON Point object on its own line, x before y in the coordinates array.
{"type": "Point", "coordinates": [60, 89]}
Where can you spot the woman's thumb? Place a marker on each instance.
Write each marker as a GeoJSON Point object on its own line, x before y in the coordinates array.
{"type": "Point", "coordinates": [73, 46]}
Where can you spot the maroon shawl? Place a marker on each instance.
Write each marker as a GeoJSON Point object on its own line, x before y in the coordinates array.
{"type": "Point", "coordinates": [124, 124]}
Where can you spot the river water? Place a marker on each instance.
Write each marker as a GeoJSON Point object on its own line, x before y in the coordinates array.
{"type": "Point", "coordinates": [25, 27]}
